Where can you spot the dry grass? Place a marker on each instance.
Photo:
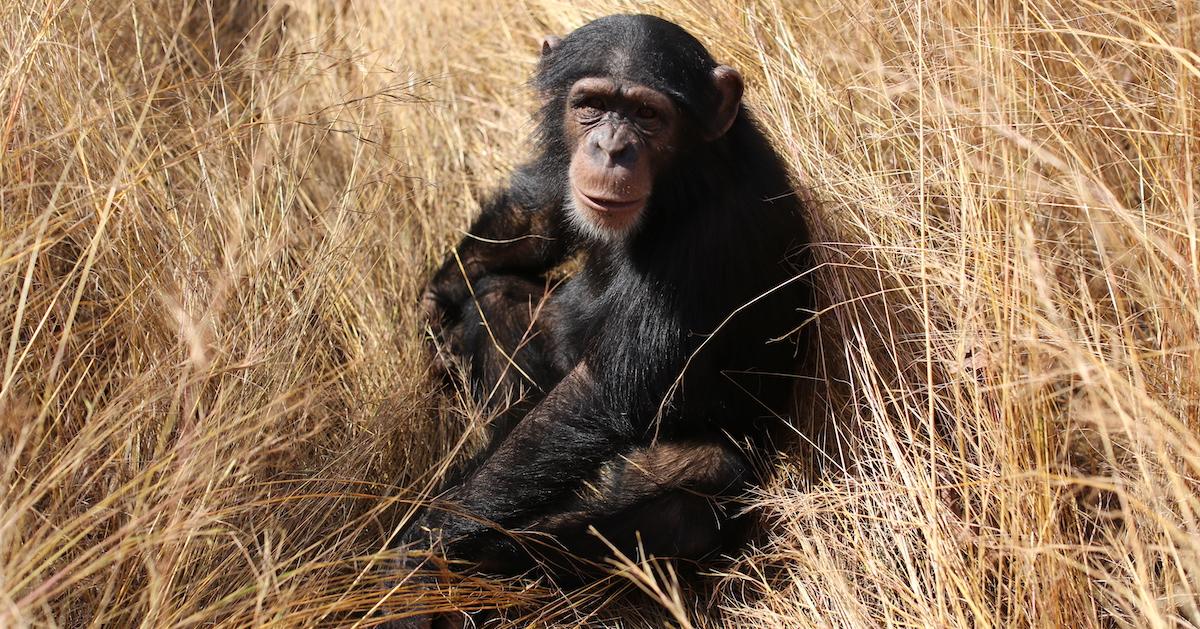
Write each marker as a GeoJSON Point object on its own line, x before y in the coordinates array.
{"type": "Point", "coordinates": [214, 223]}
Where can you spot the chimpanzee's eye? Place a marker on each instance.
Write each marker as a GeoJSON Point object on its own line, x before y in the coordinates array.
{"type": "Point", "coordinates": [646, 113]}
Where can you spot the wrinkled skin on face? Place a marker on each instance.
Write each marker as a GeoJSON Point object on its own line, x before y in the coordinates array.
{"type": "Point", "coordinates": [621, 135]}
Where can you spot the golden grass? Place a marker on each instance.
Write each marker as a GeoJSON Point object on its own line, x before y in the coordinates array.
{"type": "Point", "coordinates": [215, 221]}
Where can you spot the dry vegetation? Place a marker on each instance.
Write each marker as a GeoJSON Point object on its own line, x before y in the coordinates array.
{"type": "Point", "coordinates": [214, 222]}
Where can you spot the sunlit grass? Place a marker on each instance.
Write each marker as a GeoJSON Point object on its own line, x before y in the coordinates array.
{"type": "Point", "coordinates": [214, 225]}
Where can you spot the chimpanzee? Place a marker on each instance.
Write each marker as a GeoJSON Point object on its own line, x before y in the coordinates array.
{"type": "Point", "coordinates": [625, 396]}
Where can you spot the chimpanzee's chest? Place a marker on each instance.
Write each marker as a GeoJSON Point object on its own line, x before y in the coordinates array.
{"type": "Point", "coordinates": [616, 317]}
{"type": "Point", "coordinates": [579, 310]}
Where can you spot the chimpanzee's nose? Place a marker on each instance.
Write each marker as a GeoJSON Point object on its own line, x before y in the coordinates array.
{"type": "Point", "coordinates": [616, 142]}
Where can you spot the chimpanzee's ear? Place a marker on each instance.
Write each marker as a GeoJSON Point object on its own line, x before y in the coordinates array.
{"type": "Point", "coordinates": [549, 43]}
{"type": "Point", "coordinates": [729, 85]}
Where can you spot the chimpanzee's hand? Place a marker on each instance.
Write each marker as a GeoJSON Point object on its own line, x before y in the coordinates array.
{"type": "Point", "coordinates": [438, 311]}
{"type": "Point", "coordinates": [445, 295]}
{"type": "Point", "coordinates": [442, 304]}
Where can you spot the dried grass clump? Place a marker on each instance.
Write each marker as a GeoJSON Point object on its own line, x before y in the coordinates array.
{"type": "Point", "coordinates": [215, 219]}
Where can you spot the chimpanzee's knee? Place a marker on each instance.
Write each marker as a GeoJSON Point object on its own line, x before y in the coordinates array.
{"type": "Point", "coordinates": [689, 502]}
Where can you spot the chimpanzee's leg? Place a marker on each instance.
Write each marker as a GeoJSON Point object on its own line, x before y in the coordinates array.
{"type": "Point", "coordinates": [505, 346]}
{"type": "Point", "coordinates": [666, 500]}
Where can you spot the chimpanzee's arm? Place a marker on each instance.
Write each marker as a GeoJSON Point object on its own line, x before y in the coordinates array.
{"type": "Point", "coordinates": [507, 237]}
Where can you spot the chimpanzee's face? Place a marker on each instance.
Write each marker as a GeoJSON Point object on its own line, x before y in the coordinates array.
{"type": "Point", "coordinates": [620, 136]}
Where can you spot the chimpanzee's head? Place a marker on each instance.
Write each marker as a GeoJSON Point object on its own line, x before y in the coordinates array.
{"type": "Point", "coordinates": [625, 95]}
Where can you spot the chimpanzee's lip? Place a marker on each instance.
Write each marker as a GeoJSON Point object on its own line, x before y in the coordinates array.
{"type": "Point", "coordinates": [611, 206]}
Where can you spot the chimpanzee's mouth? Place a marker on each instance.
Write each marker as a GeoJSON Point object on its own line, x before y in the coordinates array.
{"type": "Point", "coordinates": [614, 207]}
